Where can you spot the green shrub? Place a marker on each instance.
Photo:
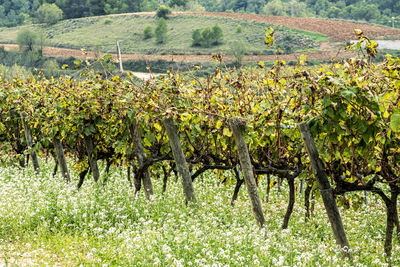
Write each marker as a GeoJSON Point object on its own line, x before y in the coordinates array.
{"type": "Point", "coordinates": [217, 35]}
{"type": "Point", "coordinates": [161, 31]}
{"type": "Point", "coordinates": [49, 14]}
{"type": "Point", "coordinates": [207, 37]}
{"type": "Point", "coordinates": [239, 29]}
{"type": "Point", "coordinates": [238, 50]}
{"type": "Point", "coordinates": [108, 21]}
{"type": "Point", "coordinates": [196, 38]}
{"type": "Point", "coordinates": [51, 68]}
{"type": "Point", "coordinates": [163, 12]}
{"type": "Point", "coordinates": [147, 32]}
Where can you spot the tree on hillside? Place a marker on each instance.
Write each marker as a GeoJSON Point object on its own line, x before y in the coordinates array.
{"type": "Point", "coordinates": [27, 40]}
{"type": "Point", "coordinates": [276, 8]}
{"type": "Point", "coordinates": [13, 12]}
{"type": "Point", "coordinates": [147, 32]}
{"type": "Point", "coordinates": [49, 14]}
{"type": "Point", "coordinates": [161, 31]}
{"type": "Point", "coordinates": [73, 8]}
{"type": "Point", "coordinates": [238, 50]}
{"type": "Point", "coordinates": [196, 38]}
{"type": "Point", "coordinates": [207, 37]}
{"type": "Point", "coordinates": [217, 35]}
{"type": "Point", "coordinates": [163, 12]}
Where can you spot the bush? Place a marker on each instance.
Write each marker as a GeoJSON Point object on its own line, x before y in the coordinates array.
{"type": "Point", "coordinates": [15, 71]}
{"type": "Point", "coordinates": [51, 68]}
{"type": "Point", "coordinates": [238, 50]}
{"type": "Point", "coordinates": [207, 37]}
{"type": "Point", "coordinates": [239, 29]}
{"type": "Point", "coordinates": [217, 35]}
{"type": "Point", "coordinates": [147, 32]}
{"type": "Point", "coordinates": [161, 31]}
{"type": "Point", "coordinates": [108, 21]}
{"type": "Point", "coordinates": [196, 38]}
{"type": "Point", "coordinates": [49, 14]}
{"type": "Point", "coordinates": [27, 41]}
{"type": "Point", "coordinates": [163, 12]}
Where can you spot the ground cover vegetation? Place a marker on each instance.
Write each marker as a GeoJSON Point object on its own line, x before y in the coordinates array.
{"type": "Point", "coordinates": [50, 222]}
{"type": "Point", "coordinates": [187, 126]}
{"type": "Point", "coordinates": [16, 12]}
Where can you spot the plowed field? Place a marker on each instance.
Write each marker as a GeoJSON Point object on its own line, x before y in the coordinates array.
{"type": "Point", "coordinates": [337, 30]}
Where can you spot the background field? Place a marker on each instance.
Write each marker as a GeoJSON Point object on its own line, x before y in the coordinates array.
{"type": "Point", "coordinates": [96, 34]}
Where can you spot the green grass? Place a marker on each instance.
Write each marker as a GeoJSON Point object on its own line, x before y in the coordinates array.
{"type": "Point", "coordinates": [45, 222]}
{"type": "Point", "coordinates": [98, 35]}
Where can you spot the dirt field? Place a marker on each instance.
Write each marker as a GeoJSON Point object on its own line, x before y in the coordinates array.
{"type": "Point", "coordinates": [338, 31]}
{"type": "Point", "coordinates": [326, 52]}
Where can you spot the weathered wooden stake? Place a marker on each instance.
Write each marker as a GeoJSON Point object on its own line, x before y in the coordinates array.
{"type": "Point", "coordinates": [29, 142]}
{"type": "Point", "coordinates": [58, 147]}
{"type": "Point", "coordinates": [325, 189]}
{"type": "Point", "coordinates": [141, 157]}
{"type": "Point", "coordinates": [121, 69]}
{"type": "Point", "coordinates": [180, 160]}
{"type": "Point", "coordinates": [237, 127]}
{"type": "Point", "coordinates": [92, 157]}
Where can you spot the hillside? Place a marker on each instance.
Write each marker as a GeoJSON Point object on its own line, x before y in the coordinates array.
{"type": "Point", "coordinates": [101, 33]}
{"type": "Point", "coordinates": [319, 39]}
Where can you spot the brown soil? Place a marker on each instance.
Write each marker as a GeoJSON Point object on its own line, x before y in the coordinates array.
{"type": "Point", "coordinates": [325, 54]}
{"type": "Point", "coordinates": [336, 30]}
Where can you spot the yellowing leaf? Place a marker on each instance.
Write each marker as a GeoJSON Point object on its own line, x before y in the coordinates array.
{"type": "Point", "coordinates": [227, 132]}
{"type": "Point", "coordinates": [158, 126]}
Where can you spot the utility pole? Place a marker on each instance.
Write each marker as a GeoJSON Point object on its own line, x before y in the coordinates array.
{"type": "Point", "coordinates": [121, 69]}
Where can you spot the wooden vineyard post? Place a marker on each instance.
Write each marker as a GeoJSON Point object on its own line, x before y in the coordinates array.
{"type": "Point", "coordinates": [141, 157]}
{"type": "Point", "coordinates": [179, 158]}
{"type": "Point", "coordinates": [58, 147]}
{"type": "Point", "coordinates": [121, 69]}
{"type": "Point", "coordinates": [29, 142]}
{"type": "Point", "coordinates": [325, 189]}
{"type": "Point", "coordinates": [92, 157]}
{"type": "Point", "coordinates": [237, 126]}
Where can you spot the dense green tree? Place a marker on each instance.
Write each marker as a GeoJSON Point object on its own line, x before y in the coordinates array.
{"type": "Point", "coordinates": [217, 35]}
{"type": "Point", "coordinates": [276, 8]}
{"type": "Point", "coordinates": [163, 12]}
{"type": "Point", "coordinates": [49, 14]}
{"type": "Point", "coordinates": [73, 8]}
{"type": "Point", "coordinates": [196, 38]}
{"type": "Point", "coordinates": [147, 32]}
{"type": "Point", "coordinates": [161, 31]}
{"type": "Point", "coordinates": [207, 37]}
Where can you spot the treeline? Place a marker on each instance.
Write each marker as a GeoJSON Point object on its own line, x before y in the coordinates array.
{"type": "Point", "coordinates": [16, 12]}
{"type": "Point", "coordinates": [368, 10]}
{"type": "Point", "coordinates": [387, 12]}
